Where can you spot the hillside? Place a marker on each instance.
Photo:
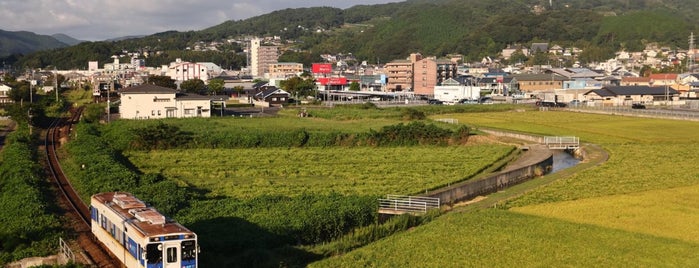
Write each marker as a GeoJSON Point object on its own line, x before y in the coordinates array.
{"type": "Point", "coordinates": [22, 42]}
{"type": "Point", "coordinates": [384, 32]}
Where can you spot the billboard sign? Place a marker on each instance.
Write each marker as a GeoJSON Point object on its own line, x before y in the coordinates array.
{"type": "Point", "coordinates": [332, 81]}
{"type": "Point", "coordinates": [322, 68]}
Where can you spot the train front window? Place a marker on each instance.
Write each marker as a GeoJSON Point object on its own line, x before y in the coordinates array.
{"type": "Point", "coordinates": [154, 253]}
{"type": "Point", "coordinates": [171, 254]}
{"type": "Point", "coordinates": [189, 249]}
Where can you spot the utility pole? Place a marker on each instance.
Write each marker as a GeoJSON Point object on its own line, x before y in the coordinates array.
{"type": "Point", "coordinates": [55, 81]}
{"type": "Point", "coordinates": [31, 87]}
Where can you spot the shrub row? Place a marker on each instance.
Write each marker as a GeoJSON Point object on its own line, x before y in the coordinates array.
{"type": "Point", "coordinates": [27, 226]}
{"type": "Point", "coordinates": [253, 228]}
{"type": "Point", "coordinates": [98, 168]}
{"type": "Point", "coordinates": [166, 136]}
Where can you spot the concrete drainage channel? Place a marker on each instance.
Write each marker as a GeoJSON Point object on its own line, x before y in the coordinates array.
{"type": "Point", "coordinates": [521, 176]}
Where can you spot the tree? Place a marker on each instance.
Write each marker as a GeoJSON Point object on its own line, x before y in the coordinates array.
{"type": "Point", "coordinates": [354, 86]}
{"type": "Point", "coordinates": [297, 86]}
{"type": "Point", "coordinates": [216, 85]}
{"type": "Point", "coordinates": [162, 80]}
{"type": "Point", "coordinates": [193, 86]}
{"type": "Point", "coordinates": [20, 91]}
{"type": "Point", "coordinates": [238, 90]}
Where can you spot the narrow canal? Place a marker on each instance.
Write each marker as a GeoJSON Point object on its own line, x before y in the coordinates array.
{"type": "Point", "coordinates": [563, 160]}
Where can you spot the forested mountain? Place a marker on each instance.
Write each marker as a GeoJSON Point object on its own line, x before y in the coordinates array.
{"type": "Point", "coordinates": [380, 33]}
{"type": "Point", "coordinates": [26, 42]}
{"type": "Point", "coordinates": [66, 39]}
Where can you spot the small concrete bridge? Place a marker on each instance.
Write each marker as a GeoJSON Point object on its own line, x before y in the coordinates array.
{"type": "Point", "coordinates": [562, 143]}
{"type": "Point", "coordinates": [402, 204]}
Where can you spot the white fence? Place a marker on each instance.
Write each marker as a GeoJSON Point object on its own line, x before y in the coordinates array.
{"type": "Point", "coordinates": [561, 143]}
{"type": "Point", "coordinates": [448, 120]}
{"type": "Point", "coordinates": [399, 204]}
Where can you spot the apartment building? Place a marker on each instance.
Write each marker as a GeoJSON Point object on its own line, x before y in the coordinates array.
{"type": "Point", "coordinates": [399, 73]}
{"type": "Point", "coordinates": [431, 72]}
{"type": "Point", "coordinates": [283, 70]}
{"type": "Point", "coordinates": [261, 57]}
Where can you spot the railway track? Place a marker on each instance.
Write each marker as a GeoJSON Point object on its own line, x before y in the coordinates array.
{"type": "Point", "coordinates": [77, 212]}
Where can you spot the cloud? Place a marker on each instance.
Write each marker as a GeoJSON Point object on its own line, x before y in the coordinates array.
{"type": "Point", "coordinates": [104, 19]}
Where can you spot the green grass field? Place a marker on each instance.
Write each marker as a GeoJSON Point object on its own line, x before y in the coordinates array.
{"type": "Point", "coordinates": [638, 209]}
{"type": "Point", "coordinates": [246, 173]}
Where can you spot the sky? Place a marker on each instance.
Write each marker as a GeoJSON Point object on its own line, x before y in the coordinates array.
{"type": "Point", "coordinates": [95, 20]}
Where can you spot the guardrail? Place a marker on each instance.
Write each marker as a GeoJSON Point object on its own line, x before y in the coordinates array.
{"type": "Point", "coordinates": [561, 143]}
{"type": "Point", "coordinates": [400, 204]}
{"type": "Point", "coordinates": [65, 250]}
{"type": "Point", "coordinates": [669, 112]}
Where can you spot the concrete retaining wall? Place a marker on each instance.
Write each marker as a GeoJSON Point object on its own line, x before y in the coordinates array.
{"type": "Point", "coordinates": [496, 182]}
{"type": "Point", "coordinates": [540, 164]}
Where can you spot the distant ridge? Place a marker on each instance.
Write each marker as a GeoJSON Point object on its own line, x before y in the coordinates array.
{"type": "Point", "coordinates": [124, 38]}
{"type": "Point", "coordinates": [23, 42]}
{"type": "Point", "coordinates": [64, 38]}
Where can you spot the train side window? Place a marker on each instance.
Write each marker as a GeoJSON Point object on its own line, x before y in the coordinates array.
{"type": "Point", "coordinates": [154, 253]}
{"type": "Point", "coordinates": [171, 254]}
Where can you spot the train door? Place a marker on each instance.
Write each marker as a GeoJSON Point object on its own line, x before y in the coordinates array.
{"type": "Point", "coordinates": [171, 255]}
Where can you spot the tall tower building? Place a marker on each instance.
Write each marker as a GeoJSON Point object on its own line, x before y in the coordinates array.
{"type": "Point", "coordinates": [261, 57]}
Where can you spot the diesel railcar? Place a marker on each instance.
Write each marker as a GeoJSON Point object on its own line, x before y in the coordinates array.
{"type": "Point", "coordinates": [139, 235]}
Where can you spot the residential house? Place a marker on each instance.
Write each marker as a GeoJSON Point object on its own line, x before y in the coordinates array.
{"type": "Point", "coordinates": [497, 85]}
{"type": "Point", "coordinates": [576, 73]}
{"type": "Point", "coordinates": [5, 94]}
{"type": "Point", "coordinates": [156, 102]}
{"type": "Point", "coordinates": [663, 79]}
{"type": "Point", "coordinates": [539, 47]}
{"type": "Point", "coordinates": [273, 96]}
{"type": "Point", "coordinates": [635, 81]}
{"type": "Point", "coordinates": [506, 53]}
{"type": "Point", "coordinates": [627, 95]}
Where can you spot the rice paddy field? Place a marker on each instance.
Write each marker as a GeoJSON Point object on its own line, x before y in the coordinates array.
{"type": "Point", "coordinates": [247, 173]}
{"type": "Point", "coordinates": [638, 209]}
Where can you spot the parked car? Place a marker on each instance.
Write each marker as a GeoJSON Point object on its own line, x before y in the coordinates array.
{"type": "Point", "coordinates": [575, 103]}
{"type": "Point", "coordinates": [435, 101]}
{"type": "Point", "coordinates": [637, 106]}
{"type": "Point", "coordinates": [550, 104]}
{"type": "Point", "coordinates": [467, 101]}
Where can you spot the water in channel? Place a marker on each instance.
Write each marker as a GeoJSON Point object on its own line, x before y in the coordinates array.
{"type": "Point", "coordinates": [563, 160]}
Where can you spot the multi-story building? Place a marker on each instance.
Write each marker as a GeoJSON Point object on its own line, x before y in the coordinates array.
{"type": "Point", "coordinates": [431, 72]}
{"type": "Point", "coordinates": [261, 57]}
{"type": "Point", "coordinates": [183, 71]}
{"type": "Point", "coordinates": [399, 73]}
{"type": "Point", "coordinates": [285, 70]}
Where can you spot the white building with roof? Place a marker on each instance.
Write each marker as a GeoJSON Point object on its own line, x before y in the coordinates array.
{"type": "Point", "coordinates": [156, 102]}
